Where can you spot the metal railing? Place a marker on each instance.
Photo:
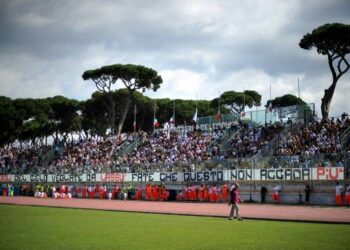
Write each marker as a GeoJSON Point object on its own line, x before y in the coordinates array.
{"type": "Point", "coordinates": [345, 138]}
{"type": "Point", "coordinates": [127, 147]}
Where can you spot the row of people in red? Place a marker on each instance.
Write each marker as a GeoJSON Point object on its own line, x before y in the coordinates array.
{"type": "Point", "coordinates": [91, 191]}
{"type": "Point", "coordinates": [203, 193]}
{"type": "Point", "coordinates": [152, 192]}
{"type": "Point", "coordinates": [156, 193]}
{"type": "Point", "coordinates": [342, 193]}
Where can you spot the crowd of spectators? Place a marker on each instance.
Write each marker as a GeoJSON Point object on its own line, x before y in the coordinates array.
{"type": "Point", "coordinates": [22, 158]}
{"type": "Point", "coordinates": [319, 137]}
{"type": "Point", "coordinates": [251, 140]}
{"type": "Point", "coordinates": [83, 156]}
{"type": "Point", "coordinates": [170, 147]}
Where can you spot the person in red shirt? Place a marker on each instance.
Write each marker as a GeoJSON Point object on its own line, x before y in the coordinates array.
{"type": "Point", "coordinates": [205, 193]}
{"type": "Point", "coordinates": [201, 193]}
{"type": "Point", "coordinates": [217, 192]}
{"type": "Point", "coordinates": [103, 191]}
{"type": "Point", "coordinates": [224, 190]}
{"type": "Point", "coordinates": [338, 194]}
{"type": "Point", "coordinates": [211, 193]}
{"type": "Point", "coordinates": [91, 191]}
{"type": "Point", "coordinates": [160, 192]}
{"type": "Point", "coordinates": [84, 191]}
{"type": "Point", "coordinates": [167, 194]}
{"type": "Point", "coordinates": [347, 195]}
{"type": "Point", "coordinates": [63, 189]}
{"type": "Point", "coordinates": [155, 193]}
{"type": "Point", "coordinates": [193, 193]}
{"type": "Point", "coordinates": [148, 192]}
{"type": "Point", "coordinates": [276, 196]}
{"type": "Point", "coordinates": [186, 192]}
{"type": "Point", "coordinates": [138, 194]}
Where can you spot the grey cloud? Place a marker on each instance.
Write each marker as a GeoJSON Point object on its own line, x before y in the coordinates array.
{"type": "Point", "coordinates": [211, 38]}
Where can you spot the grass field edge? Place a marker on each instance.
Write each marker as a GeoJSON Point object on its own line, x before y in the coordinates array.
{"type": "Point", "coordinates": [187, 214]}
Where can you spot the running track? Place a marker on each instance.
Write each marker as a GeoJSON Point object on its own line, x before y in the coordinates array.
{"type": "Point", "coordinates": [249, 211]}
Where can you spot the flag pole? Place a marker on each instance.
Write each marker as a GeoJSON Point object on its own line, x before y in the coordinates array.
{"type": "Point", "coordinates": [270, 102]}
{"type": "Point", "coordinates": [196, 109]}
{"type": "Point", "coordinates": [135, 118]}
{"type": "Point", "coordinates": [174, 111]}
{"type": "Point", "coordinates": [243, 100]}
{"type": "Point", "coordinates": [154, 114]}
{"type": "Point", "coordinates": [195, 113]}
{"type": "Point", "coordinates": [219, 104]}
{"type": "Point", "coordinates": [219, 109]}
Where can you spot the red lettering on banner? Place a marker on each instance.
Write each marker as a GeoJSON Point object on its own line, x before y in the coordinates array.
{"type": "Point", "coordinates": [112, 177]}
{"type": "Point", "coordinates": [329, 173]}
{"type": "Point", "coordinates": [331, 176]}
{"type": "Point", "coordinates": [320, 172]}
{"type": "Point", "coordinates": [4, 178]}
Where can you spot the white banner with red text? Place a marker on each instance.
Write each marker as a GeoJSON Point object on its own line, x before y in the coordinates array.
{"type": "Point", "coordinates": [283, 174]}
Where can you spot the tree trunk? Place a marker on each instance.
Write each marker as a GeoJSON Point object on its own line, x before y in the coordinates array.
{"type": "Point", "coordinates": [55, 137]}
{"type": "Point", "coordinates": [65, 138]}
{"type": "Point", "coordinates": [141, 122]}
{"type": "Point", "coordinates": [111, 112]}
{"type": "Point", "coordinates": [327, 99]}
{"type": "Point", "coordinates": [123, 116]}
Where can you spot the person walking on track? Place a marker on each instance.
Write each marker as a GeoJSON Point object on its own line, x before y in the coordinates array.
{"type": "Point", "coordinates": [234, 201]}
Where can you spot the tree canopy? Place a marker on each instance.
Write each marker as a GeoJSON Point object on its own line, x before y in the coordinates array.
{"type": "Point", "coordinates": [9, 120]}
{"type": "Point", "coordinates": [332, 40]}
{"type": "Point", "coordinates": [237, 101]}
{"type": "Point", "coordinates": [134, 77]}
{"type": "Point", "coordinates": [285, 101]}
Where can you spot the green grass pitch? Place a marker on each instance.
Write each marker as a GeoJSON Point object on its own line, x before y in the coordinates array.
{"type": "Point", "coordinates": [27, 227]}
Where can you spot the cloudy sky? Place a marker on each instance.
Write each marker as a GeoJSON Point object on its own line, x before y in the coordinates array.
{"type": "Point", "coordinates": [200, 47]}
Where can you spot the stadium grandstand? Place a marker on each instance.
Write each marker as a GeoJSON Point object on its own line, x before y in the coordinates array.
{"type": "Point", "coordinates": [232, 149]}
